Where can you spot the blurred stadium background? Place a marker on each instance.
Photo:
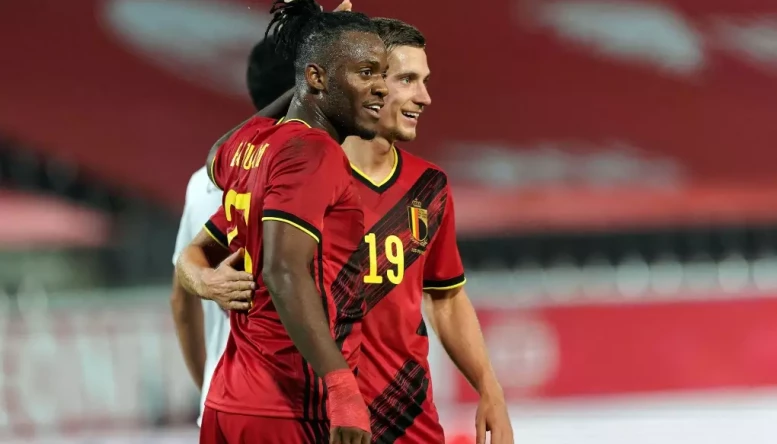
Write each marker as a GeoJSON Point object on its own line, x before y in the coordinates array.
{"type": "Point", "coordinates": [614, 168]}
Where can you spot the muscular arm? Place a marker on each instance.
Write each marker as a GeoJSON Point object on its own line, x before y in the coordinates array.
{"type": "Point", "coordinates": [189, 327]}
{"type": "Point", "coordinates": [455, 322]}
{"type": "Point", "coordinates": [275, 110]}
{"type": "Point", "coordinates": [288, 253]}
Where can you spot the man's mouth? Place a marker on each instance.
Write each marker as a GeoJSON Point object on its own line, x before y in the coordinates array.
{"type": "Point", "coordinates": [411, 115]}
{"type": "Point", "coordinates": [374, 108]}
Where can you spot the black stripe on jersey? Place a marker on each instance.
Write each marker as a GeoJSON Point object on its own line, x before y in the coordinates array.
{"type": "Point", "coordinates": [315, 391]}
{"type": "Point", "coordinates": [306, 391]}
{"type": "Point", "coordinates": [278, 214]}
{"type": "Point", "coordinates": [385, 186]}
{"type": "Point", "coordinates": [315, 387]}
{"type": "Point", "coordinates": [347, 289]}
{"type": "Point", "coordinates": [308, 430]}
{"type": "Point", "coordinates": [216, 233]}
{"type": "Point", "coordinates": [430, 191]}
{"type": "Point", "coordinates": [444, 284]}
{"type": "Point", "coordinates": [422, 331]}
{"type": "Point", "coordinates": [321, 431]}
{"type": "Point", "coordinates": [400, 403]}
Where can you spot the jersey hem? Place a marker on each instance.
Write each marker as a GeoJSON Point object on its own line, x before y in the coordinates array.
{"type": "Point", "coordinates": [270, 413]}
{"type": "Point", "coordinates": [294, 221]}
{"type": "Point", "coordinates": [446, 284]}
{"type": "Point", "coordinates": [216, 234]}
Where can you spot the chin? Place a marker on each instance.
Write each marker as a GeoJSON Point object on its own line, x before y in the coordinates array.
{"type": "Point", "coordinates": [366, 133]}
{"type": "Point", "coordinates": [406, 136]}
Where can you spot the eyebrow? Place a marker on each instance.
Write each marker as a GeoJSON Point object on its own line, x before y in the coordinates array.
{"type": "Point", "coordinates": [411, 74]}
{"type": "Point", "coordinates": [374, 62]}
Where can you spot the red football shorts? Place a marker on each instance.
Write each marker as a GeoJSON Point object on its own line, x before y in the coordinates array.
{"type": "Point", "coordinates": [229, 428]}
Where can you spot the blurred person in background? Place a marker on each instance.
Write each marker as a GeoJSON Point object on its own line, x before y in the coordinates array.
{"type": "Point", "coordinates": [201, 325]}
{"type": "Point", "coordinates": [288, 372]}
{"type": "Point", "coordinates": [413, 256]}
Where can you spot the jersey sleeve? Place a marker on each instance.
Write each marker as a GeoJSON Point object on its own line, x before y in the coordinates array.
{"type": "Point", "coordinates": [217, 227]}
{"type": "Point", "coordinates": [305, 179]}
{"type": "Point", "coordinates": [443, 269]}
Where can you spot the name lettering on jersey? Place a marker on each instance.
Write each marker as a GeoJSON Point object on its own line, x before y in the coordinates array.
{"type": "Point", "coordinates": [247, 156]}
{"type": "Point", "coordinates": [418, 221]}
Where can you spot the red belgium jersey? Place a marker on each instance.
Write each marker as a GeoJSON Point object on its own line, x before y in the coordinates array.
{"type": "Point", "coordinates": [291, 173]}
{"type": "Point", "coordinates": [411, 236]}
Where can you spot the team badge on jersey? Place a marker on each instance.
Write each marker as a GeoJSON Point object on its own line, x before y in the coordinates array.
{"type": "Point", "coordinates": [419, 222]}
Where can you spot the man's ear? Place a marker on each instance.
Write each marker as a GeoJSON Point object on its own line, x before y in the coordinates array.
{"type": "Point", "coordinates": [315, 75]}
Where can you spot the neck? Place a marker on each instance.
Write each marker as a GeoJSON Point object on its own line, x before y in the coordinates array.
{"type": "Point", "coordinates": [310, 113]}
{"type": "Point", "coordinates": [372, 157]}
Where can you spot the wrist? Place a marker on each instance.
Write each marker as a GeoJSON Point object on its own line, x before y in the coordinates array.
{"type": "Point", "coordinates": [340, 379]}
{"type": "Point", "coordinates": [201, 283]}
{"type": "Point", "coordinates": [490, 388]}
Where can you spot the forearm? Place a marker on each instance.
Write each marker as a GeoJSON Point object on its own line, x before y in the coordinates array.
{"type": "Point", "coordinates": [298, 304]}
{"type": "Point", "coordinates": [189, 327]}
{"type": "Point", "coordinates": [197, 259]}
{"type": "Point", "coordinates": [454, 320]}
{"type": "Point", "coordinates": [189, 270]}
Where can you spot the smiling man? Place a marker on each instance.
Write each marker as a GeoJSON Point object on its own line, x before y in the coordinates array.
{"type": "Point", "coordinates": [413, 255]}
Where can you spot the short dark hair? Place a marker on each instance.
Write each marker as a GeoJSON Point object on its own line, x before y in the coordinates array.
{"type": "Point", "coordinates": [395, 33]}
{"type": "Point", "coordinates": [303, 32]}
{"type": "Point", "coordinates": [269, 75]}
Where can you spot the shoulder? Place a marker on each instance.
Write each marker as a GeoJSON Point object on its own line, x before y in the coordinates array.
{"type": "Point", "coordinates": [310, 143]}
{"type": "Point", "coordinates": [247, 131]}
{"type": "Point", "coordinates": [414, 164]}
{"type": "Point", "coordinates": [307, 137]}
{"type": "Point", "coordinates": [258, 122]}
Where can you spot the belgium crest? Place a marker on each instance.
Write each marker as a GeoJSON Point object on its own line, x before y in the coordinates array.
{"type": "Point", "coordinates": [419, 222]}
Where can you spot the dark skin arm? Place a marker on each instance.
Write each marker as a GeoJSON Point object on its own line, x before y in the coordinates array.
{"type": "Point", "coordinates": [287, 255]}
{"type": "Point", "coordinates": [189, 327]}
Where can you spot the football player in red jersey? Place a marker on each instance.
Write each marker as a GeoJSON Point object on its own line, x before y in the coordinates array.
{"type": "Point", "coordinates": [288, 372]}
{"type": "Point", "coordinates": [413, 255]}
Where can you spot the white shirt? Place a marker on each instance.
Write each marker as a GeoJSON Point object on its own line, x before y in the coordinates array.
{"type": "Point", "coordinates": [202, 200]}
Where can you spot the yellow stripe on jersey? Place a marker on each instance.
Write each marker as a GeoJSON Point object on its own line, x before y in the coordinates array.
{"type": "Point", "coordinates": [293, 224]}
{"type": "Point", "coordinates": [415, 231]}
{"type": "Point", "coordinates": [449, 287]}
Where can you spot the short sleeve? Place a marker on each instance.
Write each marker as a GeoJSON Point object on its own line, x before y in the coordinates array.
{"type": "Point", "coordinates": [305, 178]}
{"type": "Point", "coordinates": [217, 227]}
{"type": "Point", "coordinates": [443, 269]}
